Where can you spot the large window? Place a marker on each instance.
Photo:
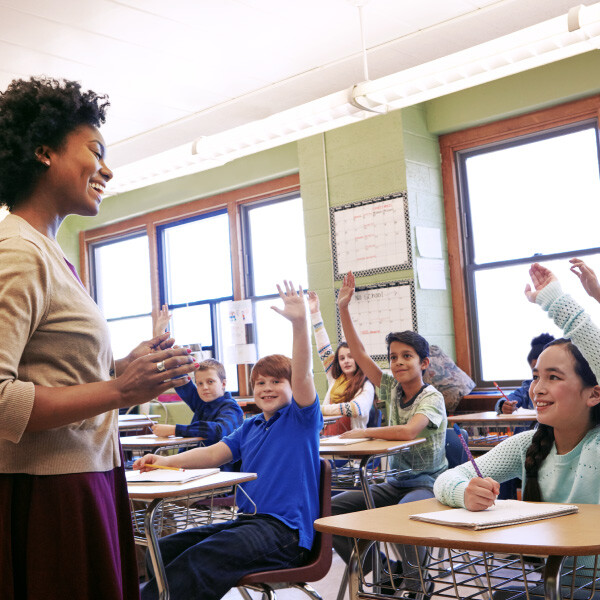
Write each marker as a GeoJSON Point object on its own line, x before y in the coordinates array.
{"type": "Point", "coordinates": [197, 258]}
{"type": "Point", "coordinates": [524, 198]}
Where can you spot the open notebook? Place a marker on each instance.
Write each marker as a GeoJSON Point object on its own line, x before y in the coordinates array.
{"type": "Point", "coordinates": [336, 440]}
{"type": "Point", "coordinates": [504, 512]}
{"type": "Point", "coordinates": [167, 476]}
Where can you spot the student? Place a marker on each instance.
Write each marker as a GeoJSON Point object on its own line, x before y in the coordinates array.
{"type": "Point", "coordinates": [65, 523]}
{"type": "Point", "coordinates": [558, 460]}
{"type": "Point", "coordinates": [216, 413]}
{"type": "Point", "coordinates": [520, 398]}
{"type": "Point", "coordinates": [350, 393]}
{"type": "Point", "coordinates": [414, 410]}
{"type": "Point", "coordinates": [281, 445]}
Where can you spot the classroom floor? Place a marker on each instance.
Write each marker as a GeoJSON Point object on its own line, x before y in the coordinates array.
{"type": "Point", "coordinates": [327, 587]}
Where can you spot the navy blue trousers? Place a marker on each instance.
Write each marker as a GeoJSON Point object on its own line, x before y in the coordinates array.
{"type": "Point", "coordinates": [204, 563]}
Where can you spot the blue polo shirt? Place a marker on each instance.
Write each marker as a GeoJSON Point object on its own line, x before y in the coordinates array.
{"type": "Point", "coordinates": [284, 452]}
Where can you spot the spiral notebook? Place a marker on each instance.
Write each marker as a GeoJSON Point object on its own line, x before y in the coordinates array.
{"type": "Point", "coordinates": [504, 512]}
{"type": "Point", "coordinates": [167, 476]}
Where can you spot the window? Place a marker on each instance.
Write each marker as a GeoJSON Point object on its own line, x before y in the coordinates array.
{"type": "Point", "coordinates": [123, 295]}
{"type": "Point", "coordinates": [190, 257]}
{"type": "Point", "coordinates": [527, 197]}
{"type": "Point", "coordinates": [276, 250]}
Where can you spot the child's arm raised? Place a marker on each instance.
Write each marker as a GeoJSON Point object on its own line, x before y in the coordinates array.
{"type": "Point", "coordinates": [588, 278]}
{"type": "Point", "coordinates": [368, 366]}
{"type": "Point", "coordinates": [294, 310]}
{"type": "Point", "coordinates": [198, 458]}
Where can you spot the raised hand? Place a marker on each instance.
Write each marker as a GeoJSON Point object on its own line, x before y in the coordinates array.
{"type": "Point", "coordinates": [346, 291]}
{"type": "Point", "coordinates": [162, 320]}
{"type": "Point", "coordinates": [588, 278]}
{"type": "Point", "coordinates": [540, 277]}
{"type": "Point", "coordinates": [294, 309]}
{"type": "Point", "coordinates": [313, 302]}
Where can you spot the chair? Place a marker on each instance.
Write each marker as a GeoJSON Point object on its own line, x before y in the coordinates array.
{"type": "Point", "coordinates": [318, 563]}
{"type": "Point", "coordinates": [455, 451]}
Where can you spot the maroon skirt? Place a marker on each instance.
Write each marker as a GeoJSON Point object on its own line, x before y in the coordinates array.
{"type": "Point", "coordinates": [66, 537]}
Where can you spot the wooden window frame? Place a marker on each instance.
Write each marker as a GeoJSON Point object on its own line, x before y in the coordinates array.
{"type": "Point", "coordinates": [475, 137]}
{"type": "Point", "coordinates": [149, 222]}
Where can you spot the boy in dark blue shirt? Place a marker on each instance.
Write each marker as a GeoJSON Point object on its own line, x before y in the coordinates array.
{"type": "Point", "coordinates": [282, 446]}
{"type": "Point", "coordinates": [216, 413]}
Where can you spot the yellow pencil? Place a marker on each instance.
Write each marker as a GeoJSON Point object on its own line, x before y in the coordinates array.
{"type": "Point", "coordinates": [164, 467]}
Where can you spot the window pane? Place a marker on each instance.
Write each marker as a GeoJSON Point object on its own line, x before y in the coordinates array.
{"type": "Point", "coordinates": [274, 333]}
{"type": "Point", "coordinates": [198, 260]}
{"type": "Point", "coordinates": [192, 325]}
{"type": "Point", "coordinates": [123, 278]}
{"type": "Point", "coordinates": [508, 322]}
{"type": "Point", "coordinates": [126, 334]}
{"type": "Point", "coordinates": [278, 246]}
{"type": "Point", "coordinates": [518, 195]}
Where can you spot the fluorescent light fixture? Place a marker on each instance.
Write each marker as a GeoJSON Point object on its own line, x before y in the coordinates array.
{"type": "Point", "coordinates": [562, 37]}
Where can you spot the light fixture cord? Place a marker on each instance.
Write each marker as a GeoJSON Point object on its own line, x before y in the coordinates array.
{"type": "Point", "coordinates": [362, 41]}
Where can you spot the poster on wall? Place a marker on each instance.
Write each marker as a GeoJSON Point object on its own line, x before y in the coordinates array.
{"type": "Point", "coordinates": [371, 236]}
{"type": "Point", "coordinates": [380, 308]}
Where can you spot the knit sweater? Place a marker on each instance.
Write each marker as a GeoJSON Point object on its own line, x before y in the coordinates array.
{"type": "Point", "coordinates": [54, 335]}
{"type": "Point", "coordinates": [358, 408]}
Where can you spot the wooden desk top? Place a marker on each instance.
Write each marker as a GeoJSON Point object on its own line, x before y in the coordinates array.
{"type": "Point", "coordinates": [222, 479]}
{"type": "Point", "coordinates": [571, 535]}
{"type": "Point", "coordinates": [490, 418]}
{"type": "Point", "coordinates": [370, 448]}
{"type": "Point", "coordinates": [135, 442]}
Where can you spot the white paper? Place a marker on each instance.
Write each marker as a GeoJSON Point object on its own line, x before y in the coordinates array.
{"type": "Point", "coordinates": [431, 274]}
{"type": "Point", "coordinates": [241, 354]}
{"type": "Point", "coordinates": [429, 242]}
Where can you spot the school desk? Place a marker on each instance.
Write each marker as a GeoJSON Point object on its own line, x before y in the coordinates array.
{"type": "Point", "coordinates": [487, 429]}
{"type": "Point", "coordinates": [133, 422]}
{"type": "Point", "coordinates": [142, 444]}
{"type": "Point", "coordinates": [167, 507]}
{"type": "Point", "coordinates": [365, 453]}
{"type": "Point", "coordinates": [555, 539]}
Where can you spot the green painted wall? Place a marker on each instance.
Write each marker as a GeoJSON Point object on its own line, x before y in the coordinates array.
{"type": "Point", "coordinates": [560, 82]}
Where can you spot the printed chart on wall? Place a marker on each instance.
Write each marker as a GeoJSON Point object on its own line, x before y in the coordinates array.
{"type": "Point", "coordinates": [371, 236]}
{"type": "Point", "coordinates": [381, 308]}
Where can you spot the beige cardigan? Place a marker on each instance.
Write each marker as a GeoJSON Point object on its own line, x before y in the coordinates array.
{"type": "Point", "coordinates": [51, 334]}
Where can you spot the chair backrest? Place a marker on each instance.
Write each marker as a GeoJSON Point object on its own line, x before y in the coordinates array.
{"type": "Point", "coordinates": [455, 452]}
{"type": "Point", "coordinates": [374, 417]}
{"type": "Point", "coordinates": [319, 561]}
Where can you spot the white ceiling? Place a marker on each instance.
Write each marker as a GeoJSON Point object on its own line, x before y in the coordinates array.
{"type": "Point", "coordinates": [176, 70]}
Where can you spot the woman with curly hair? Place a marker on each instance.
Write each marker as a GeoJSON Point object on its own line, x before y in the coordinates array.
{"type": "Point", "coordinates": [65, 526]}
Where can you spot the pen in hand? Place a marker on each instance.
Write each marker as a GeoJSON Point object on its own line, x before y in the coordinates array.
{"type": "Point", "coordinates": [468, 452]}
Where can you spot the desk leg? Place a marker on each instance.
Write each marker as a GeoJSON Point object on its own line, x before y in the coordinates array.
{"type": "Point", "coordinates": [364, 481]}
{"type": "Point", "coordinates": [552, 577]}
{"type": "Point", "coordinates": [157, 563]}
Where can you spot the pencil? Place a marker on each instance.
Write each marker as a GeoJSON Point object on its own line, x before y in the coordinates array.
{"type": "Point", "coordinates": [152, 465]}
{"type": "Point", "coordinates": [503, 394]}
{"type": "Point", "coordinates": [469, 455]}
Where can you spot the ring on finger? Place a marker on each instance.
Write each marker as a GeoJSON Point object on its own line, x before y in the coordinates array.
{"type": "Point", "coordinates": [160, 366]}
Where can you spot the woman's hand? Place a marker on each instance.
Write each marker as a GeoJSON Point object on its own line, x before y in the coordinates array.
{"type": "Point", "coordinates": [480, 493]}
{"type": "Point", "coordinates": [294, 309]}
{"type": "Point", "coordinates": [150, 375]}
{"type": "Point", "coordinates": [313, 302]}
{"type": "Point", "coordinates": [588, 278]}
{"type": "Point", "coordinates": [540, 277]}
{"type": "Point", "coordinates": [145, 463]}
{"type": "Point", "coordinates": [346, 291]}
{"type": "Point", "coordinates": [163, 430]}
{"type": "Point", "coordinates": [162, 320]}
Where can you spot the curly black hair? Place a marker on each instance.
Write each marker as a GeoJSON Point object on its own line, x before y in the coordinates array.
{"type": "Point", "coordinates": [35, 112]}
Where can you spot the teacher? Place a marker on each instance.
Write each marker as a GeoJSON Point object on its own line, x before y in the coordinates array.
{"type": "Point", "coordinates": [65, 525]}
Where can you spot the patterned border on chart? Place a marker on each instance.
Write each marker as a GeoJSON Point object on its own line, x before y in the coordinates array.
{"type": "Point", "coordinates": [337, 235]}
{"type": "Point", "coordinates": [393, 325]}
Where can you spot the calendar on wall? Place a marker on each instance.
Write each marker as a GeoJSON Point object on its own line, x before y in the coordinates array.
{"type": "Point", "coordinates": [371, 236]}
{"type": "Point", "coordinates": [380, 308]}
